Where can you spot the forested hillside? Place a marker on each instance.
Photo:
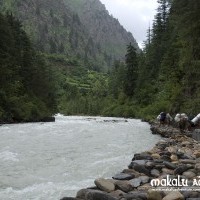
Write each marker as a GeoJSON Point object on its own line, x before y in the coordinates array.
{"type": "Point", "coordinates": [69, 78]}
{"type": "Point", "coordinates": [167, 74]}
{"type": "Point", "coordinates": [79, 29]}
{"type": "Point", "coordinates": [26, 89]}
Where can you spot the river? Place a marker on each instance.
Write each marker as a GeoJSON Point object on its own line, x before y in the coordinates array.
{"type": "Point", "coordinates": [40, 161]}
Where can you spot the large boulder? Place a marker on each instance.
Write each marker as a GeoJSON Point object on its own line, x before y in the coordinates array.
{"type": "Point", "coordinates": [104, 184]}
{"type": "Point", "coordinates": [175, 195]}
{"type": "Point", "coordinates": [154, 195]}
{"type": "Point", "coordinates": [124, 186]}
{"type": "Point", "coordinates": [123, 176]}
{"type": "Point", "coordinates": [90, 194]}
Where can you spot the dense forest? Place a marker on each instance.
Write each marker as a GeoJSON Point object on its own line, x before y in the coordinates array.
{"type": "Point", "coordinates": [26, 85]}
{"type": "Point", "coordinates": [164, 76]}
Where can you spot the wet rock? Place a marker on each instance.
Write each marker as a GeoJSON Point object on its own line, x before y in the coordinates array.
{"type": "Point", "coordinates": [150, 165]}
{"type": "Point", "coordinates": [136, 195]}
{"type": "Point", "coordinates": [197, 167]}
{"type": "Point", "coordinates": [142, 169]}
{"type": "Point", "coordinates": [135, 182]}
{"type": "Point", "coordinates": [96, 195]}
{"type": "Point", "coordinates": [197, 154]}
{"type": "Point", "coordinates": [196, 134]}
{"type": "Point", "coordinates": [155, 173]}
{"type": "Point", "coordinates": [169, 165]}
{"type": "Point", "coordinates": [90, 194]}
{"type": "Point", "coordinates": [165, 158]}
{"type": "Point", "coordinates": [144, 179]}
{"type": "Point", "coordinates": [175, 195]}
{"type": "Point", "coordinates": [189, 174]}
{"type": "Point", "coordinates": [187, 161]}
{"type": "Point", "coordinates": [174, 157]}
{"type": "Point", "coordinates": [117, 193]}
{"type": "Point", "coordinates": [155, 156]}
{"type": "Point", "coordinates": [191, 195]}
{"type": "Point", "coordinates": [167, 171]}
{"type": "Point", "coordinates": [142, 156]}
{"type": "Point", "coordinates": [158, 161]}
{"type": "Point", "coordinates": [132, 172]}
{"type": "Point", "coordinates": [70, 198]}
{"type": "Point", "coordinates": [144, 187]}
{"type": "Point", "coordinates": [104, 185]}
{"type": "Point", "coordinates": [181, 169]}
{"type": "Point", "coordinates": [124, 186]}
{"type": "Point", "coordinates": [154, 195]}
{"type": "Point", "coordinates": [136, 162]}
{"type": "Point", "coordinates": [159, 167]}
{"type": "Point", "coordinates": [123, 176]}
{"type": "Point", "coordinates": [172, 149]}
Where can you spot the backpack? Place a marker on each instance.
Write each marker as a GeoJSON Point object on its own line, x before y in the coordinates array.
{"type": "Point", "coordinates": [162, 116]}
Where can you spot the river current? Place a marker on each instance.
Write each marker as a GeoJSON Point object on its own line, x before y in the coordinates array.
{"type": "Point", "coordinates": [40, 161]}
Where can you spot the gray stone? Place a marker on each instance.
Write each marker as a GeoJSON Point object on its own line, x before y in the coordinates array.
{"type": "Point", "coordinates": [135, 182]}
{"type": "Point", "coordinates": [155, 173]}
{"type": "Point", "coordinates": [124, 186]}
{"type": "Point", "coordinates": [123, 176]}
{"type": "Point", "coordinates": [144, 179]}
{"type": "Point", "coordinates": [187, 161]}
{"type": "Point", "coordinates": [142, 169]}
{"type": "Point", "coordinates": [165, 158]}
{"type": "Point", "coordinates": [196, 134]}
{"type": "Point", "coordinates": [197, 167]}
{"type": "Point", "coordinates": [150, 164]}
{"type": "Point", "coordinates": [83, 192]}
{"type": "Point", "coordinates": [139, 162]}
{"type": "Point", "coordinates": [169, 165]}
{"type": "Point", "coordinates": [191, 194]}
{"type": "Point", "coordinates": [142, 156]}
{"type": "Point", "coordinates": [104, 185]}
{"type": "Point", "coordinates": [175, 195]}
{"type": "Point", "coordinates": [136, 195]}
{"type": "Point", "coordinates": [135, 163]}
{"type": "Point", "coordinates": [95, 195]}
{"type": "Point", "coordinates": [90, 194]}
{"type": "Point", "coordinates": [117, 193]}
{"type": "Point", "coordinates": [70, 198]}
{"type": "Point", "coordinates": [189, 174]}
{"type": "Point", "coordinates": [159, 166]}
{"type": "Point", "coordinates": [154, 195]}
{"type": "Point", "coordinates": [181, 169]}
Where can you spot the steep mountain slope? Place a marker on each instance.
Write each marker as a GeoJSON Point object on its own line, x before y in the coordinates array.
{"type": "Point", "coordinates": [79, 28]}
{"type": "Point", "coordinates": [102, 27]}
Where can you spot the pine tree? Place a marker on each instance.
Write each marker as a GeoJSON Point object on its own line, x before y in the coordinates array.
{"type": "Point", "coordinates": [131, 70]}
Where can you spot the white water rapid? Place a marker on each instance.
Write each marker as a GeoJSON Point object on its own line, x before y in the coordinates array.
{"type": "Point", "coordinates": [40, 161]}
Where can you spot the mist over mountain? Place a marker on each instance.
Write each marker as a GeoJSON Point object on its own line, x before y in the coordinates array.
{"type": "Point", "coordinates": [79, 28]}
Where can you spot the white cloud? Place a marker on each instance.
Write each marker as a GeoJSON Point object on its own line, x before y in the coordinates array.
{"type": "Point", "coordinates": [134, 15]}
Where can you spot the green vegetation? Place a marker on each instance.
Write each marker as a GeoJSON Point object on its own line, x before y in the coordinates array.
{"type": "Point", "coordinates": [163, 77]}
{"type": "Point", "coordinates": [26, 89]}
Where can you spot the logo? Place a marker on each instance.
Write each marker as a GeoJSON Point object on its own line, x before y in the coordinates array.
{"type": "Point", "coordinates": [178, 183]}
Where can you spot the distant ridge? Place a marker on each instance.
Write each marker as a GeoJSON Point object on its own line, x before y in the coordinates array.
{"type": "Point", "coordinates": [78, 28]}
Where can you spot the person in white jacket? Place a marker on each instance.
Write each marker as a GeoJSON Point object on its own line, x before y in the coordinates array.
{"type": "Point", "coordinates": [182, 121]}
{"type": "Point", "coordinates": [196, 121]}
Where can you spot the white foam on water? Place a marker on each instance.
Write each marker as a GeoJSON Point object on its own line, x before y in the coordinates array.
{"type": "Point", "coordinates": [43, 191]}
{"type": "Point", "coordinates": [8, 156]}
{"type": "Point", "coordinates": [40, 161]}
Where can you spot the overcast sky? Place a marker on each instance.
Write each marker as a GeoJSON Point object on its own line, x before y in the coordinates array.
{"type": "Point", "coordinates": [134, 15]}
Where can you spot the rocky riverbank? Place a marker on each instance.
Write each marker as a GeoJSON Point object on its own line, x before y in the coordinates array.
{"type": "Point", "coordinates": [169, 171]}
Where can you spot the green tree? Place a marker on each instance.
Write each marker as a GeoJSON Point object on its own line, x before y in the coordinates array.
{"type": "Point", "coordinates": [131, 71]}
